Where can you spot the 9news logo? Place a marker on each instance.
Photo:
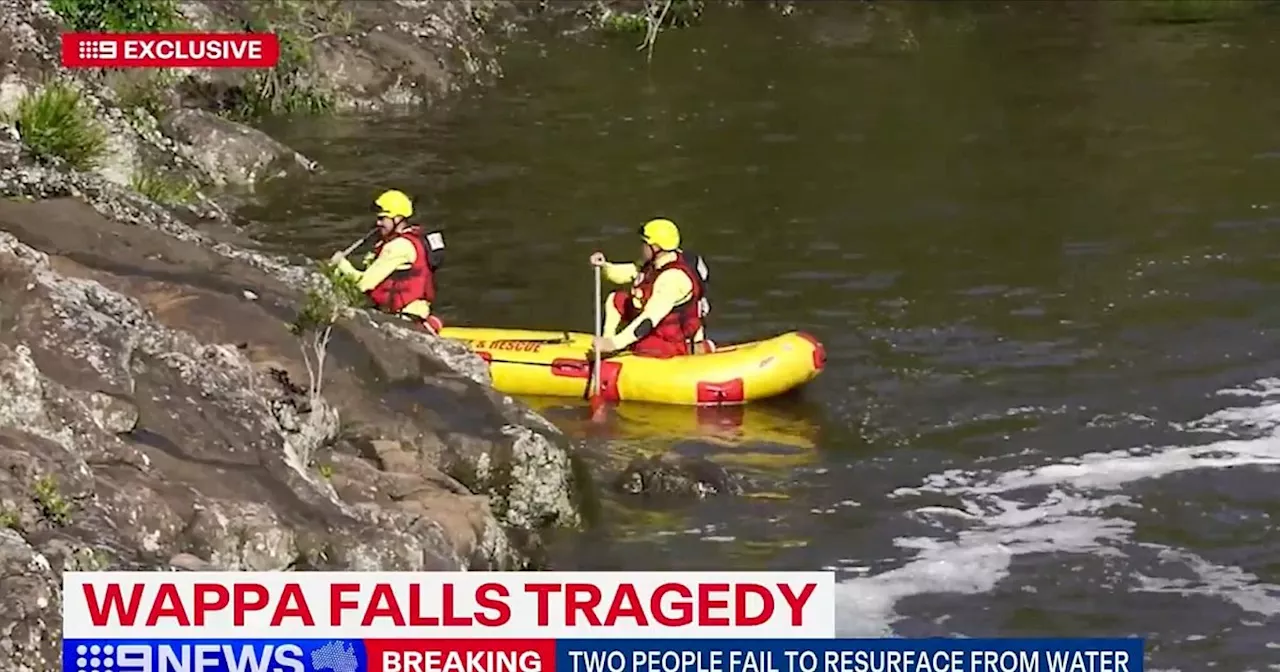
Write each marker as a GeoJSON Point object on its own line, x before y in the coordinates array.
{"type": "Point", "coordinates": [95, 658]}
{"type": "Point", "coordinates": [335, 656]}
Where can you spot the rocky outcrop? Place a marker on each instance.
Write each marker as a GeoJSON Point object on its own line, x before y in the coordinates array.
{"type": "Point", "coordinates": [337, 55]}
{"type": "Point", "coordinates": [136, 147]}
{"type": "Point", "coordinates": [152, 404]}
{"type": "Point", "coordinates": [364, 55]}
{"type": "Point", "coordinates": [232, 153]}
{"type": "Point", "coordinates": [150, 415]}
{"type": "Point", "coordinates": [389, 382]}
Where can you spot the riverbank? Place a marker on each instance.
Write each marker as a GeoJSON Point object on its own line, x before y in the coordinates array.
{"type": "Point", "coordinates": [156, 410]}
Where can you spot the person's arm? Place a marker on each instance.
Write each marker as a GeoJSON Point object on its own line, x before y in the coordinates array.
{"type": "Point", "coordinates": [344, 267]}
{"type": "Point", "coordinates": [670, 288]}
{"type": "Point", "coordinates": [394, 255]}
{"type": "Point", "coordinates": [620, 274]}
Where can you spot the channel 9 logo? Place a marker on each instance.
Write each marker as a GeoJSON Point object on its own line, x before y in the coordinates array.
{"type": "Point", "coordinates": [206, 657]}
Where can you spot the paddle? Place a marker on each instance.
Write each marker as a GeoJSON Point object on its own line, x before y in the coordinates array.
{"type": "Point", "coordinates": [598, 410]}
{"type": "Point", "coordinates": [352, 247]}
{"type": "Point", "coordinates": [363, 239]}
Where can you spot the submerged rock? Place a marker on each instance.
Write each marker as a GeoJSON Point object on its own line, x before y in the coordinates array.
{"type": "Point", "coordinates": [671, 475]}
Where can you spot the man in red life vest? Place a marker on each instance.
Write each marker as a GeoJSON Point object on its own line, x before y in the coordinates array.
{"type": "Point", "coordinates": [662, 314]}
{"type": "Point", "coordinates": [400, 277]}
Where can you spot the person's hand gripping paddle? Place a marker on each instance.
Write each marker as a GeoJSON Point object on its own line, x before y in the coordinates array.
{"type": "Point", "coordinates": [599, 412]}
{"type": "Point", "coordinates": [352, 247]}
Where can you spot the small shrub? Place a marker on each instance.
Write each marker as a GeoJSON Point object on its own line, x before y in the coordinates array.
{"type": "Point", "coordinates": [313, 325]}
{"type": "Point", "coordinates": [289, 87]}
{"type": "Point", "coordinates": [163, 187]}
{"type": "Point", "coordinates": [657, 15]}
{"type": "Point", "coordinates": [283, 89]}
{"type": "Point", "coordinates": [623, 22]}
{"type": "Point", "coordinates": [9, 518]}
{"type": "Point", "coordinates": [119, 16]}
{"type": "Point", "coordinates": [55, 123]}
{"type": "Point", "coordinates": [53, 506]}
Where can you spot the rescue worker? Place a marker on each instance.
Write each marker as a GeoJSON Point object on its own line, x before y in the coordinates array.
{"type": "Point", "coordinates": [662, 314]}
{"type": "Point", "coordinates": [400, 277]}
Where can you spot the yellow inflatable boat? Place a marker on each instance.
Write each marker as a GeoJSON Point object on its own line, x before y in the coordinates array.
{"type": "Point", "coordinates": [558, 364]}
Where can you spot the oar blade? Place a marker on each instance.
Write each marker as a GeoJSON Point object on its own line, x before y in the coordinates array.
{"type": "Point", "coordinates": [599, 409]}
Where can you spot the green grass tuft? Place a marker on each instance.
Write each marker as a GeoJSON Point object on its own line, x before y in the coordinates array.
{"type": "Point", "coordinates": [291, 87]}
{"type": "Point", "coordinates": [284, 89]}
{"type": "Point", "coordinates": [55, 123]}
{"type": "Point", "coordinates": [164, 188]}
{"type": "Point", "coordinates": [623, 22]}
{"type": "Point", "coordinates": [119, 16]}
{"type": "Point", "coordinates": [53, 506]}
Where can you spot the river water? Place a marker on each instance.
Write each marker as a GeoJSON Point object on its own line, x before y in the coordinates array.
{"type": "Point", "coordinates": [1041, 243]}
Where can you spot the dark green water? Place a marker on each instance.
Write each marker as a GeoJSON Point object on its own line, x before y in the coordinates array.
{"type": "Point", "coordinates": [1040, 242]}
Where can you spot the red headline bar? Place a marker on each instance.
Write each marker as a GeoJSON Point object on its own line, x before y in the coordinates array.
{"type": "Point", "coordinates": [488, 605]}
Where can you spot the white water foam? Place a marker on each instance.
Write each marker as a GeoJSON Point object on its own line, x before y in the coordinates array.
{"type": "Point", "coordinates": [1076, 516]}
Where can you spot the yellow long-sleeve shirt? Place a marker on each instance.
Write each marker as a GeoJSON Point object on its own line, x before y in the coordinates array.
{"type": "Point", "coordinates": [670, 289]}
{"type": "Point", "coordinates": [397, 255]}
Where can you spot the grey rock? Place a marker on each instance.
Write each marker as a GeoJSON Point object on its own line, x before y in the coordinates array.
{"type": "Point", "coordinates": [234, 153]}
{"type": "Point", "coordinates": [112, 414]}
{"type": "Point", "coordinates": [676, 476]}
{"type": "Point", "coordinates": [10, 146]}
{"type": "Point", "coordinates": [190, 563]}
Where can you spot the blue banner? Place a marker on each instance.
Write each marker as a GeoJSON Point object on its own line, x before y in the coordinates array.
{"type": "Point", "coordinates": [596, 655]}
{"type": "Point", "coordinates": [850, 655]}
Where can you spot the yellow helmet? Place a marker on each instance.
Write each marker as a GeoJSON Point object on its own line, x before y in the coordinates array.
{"type": "Point", "coordinates": [662, 234]}
{"type": "Point", "coordinates": [394, 203]}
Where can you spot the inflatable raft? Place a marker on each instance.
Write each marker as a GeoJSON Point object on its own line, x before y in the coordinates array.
{"type": "Point", "coordinates": [558, 364]}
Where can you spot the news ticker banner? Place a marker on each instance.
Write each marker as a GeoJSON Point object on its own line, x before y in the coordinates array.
{"type": "Point", "coordinates": [170, 50]}
{"type": "Point", "coordinates": [510, 622]}
{"type": "Point", "coordinates": [603, 655]}
{"type": "Point", "coordinates": [449, 605]}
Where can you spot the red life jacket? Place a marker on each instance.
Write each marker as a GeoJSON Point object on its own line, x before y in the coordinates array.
{"type": "Point", "coordinates": [405, 286]}
{"type": "Point", "coordinates": [682, 324]}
